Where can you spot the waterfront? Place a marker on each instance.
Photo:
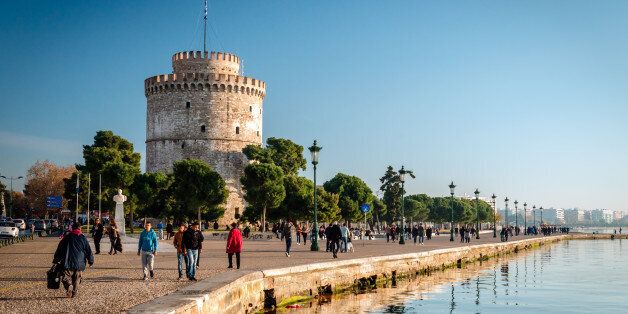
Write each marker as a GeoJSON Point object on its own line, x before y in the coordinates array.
{"type": "Point", "coordinates": [578, 276]}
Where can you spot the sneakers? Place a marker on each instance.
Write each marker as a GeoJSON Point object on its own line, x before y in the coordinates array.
{"type": "Point", "coordinates": [152, 274]}
{"type": "Point", "coordinates": [287, 254]}
{"type": "Point", "coordinates": [192, 279]}
{"type": "Point", "coordinates": [180, 278]}
{"type": "Point", "coordinates": [145, 278]}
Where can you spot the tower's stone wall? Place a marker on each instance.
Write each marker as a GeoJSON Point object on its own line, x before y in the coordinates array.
{"type": "Point", "coordinates": [204, 110]}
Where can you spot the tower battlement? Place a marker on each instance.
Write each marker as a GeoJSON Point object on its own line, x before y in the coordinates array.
{"type": "Point", "coordinates": [205, 62]}
{"type": "Point", "coordinates": [166, 83]}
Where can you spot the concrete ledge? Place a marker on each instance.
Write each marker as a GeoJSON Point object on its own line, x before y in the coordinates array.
{"type": "Point", "coordinates": [232, 292]}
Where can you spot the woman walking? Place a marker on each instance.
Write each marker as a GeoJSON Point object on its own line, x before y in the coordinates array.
{"type": "Point", "coordinates": [234, 245]}
{"type": "Point", "coordinates": [114, 236]}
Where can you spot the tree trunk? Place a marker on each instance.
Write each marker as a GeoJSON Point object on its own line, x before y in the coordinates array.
{"type": "Point", "coordinates": [264, 220]}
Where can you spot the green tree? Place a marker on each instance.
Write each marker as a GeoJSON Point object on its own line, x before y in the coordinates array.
{"type": "Point", "coordinates": [352, 192]}
{"type": "Point", "coordinates": [379, 210]}
{"type": "Point", "coordinates": [297, 204]}
{"type": "Point", "coordinates": [153, 194]}
{"type": "Point", "coordinates": [419, 210]}
{"type": "Point", "coordinates": [327, 205]}
{"type": "Point", "coordinates": [391, 186]}
{"type": "Point", "coordinates": [280, 152]}
{"type": "Point", "coordinates": [264, 186]}
{"type": "Point", "coordinates": [198, 188]}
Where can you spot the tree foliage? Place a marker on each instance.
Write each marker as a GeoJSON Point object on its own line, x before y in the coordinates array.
{"type": "Point", "coordinates": [391, 186]}
{"type": "Point", "coordinates": [264, 187]}
{"type": "Point", "coordinates": [44, 179]}
{"type": "Point", "coordinates": [281, 152]}
{"type": "Point", "coordinates": [352, 192]}
{"type": "Point", "coordinates": [198, 188]}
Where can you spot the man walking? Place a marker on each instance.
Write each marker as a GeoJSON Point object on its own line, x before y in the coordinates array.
{"type": "Point", "coordinates": [147, 249]}
{"type": "Point", "coordinates": [192, 239]}
{"type": "Point", "coordinates": [334, 237]}
{"type": "Point", "coordinates": [181, 254]}
{"type": "Point", "coordinates": [286, 233]}
{"type": "Point", "coordinates": [160, 229]}
{"type": "Point", "coordinates": [72, 253]}
{"type": "Point", "coordinates": [97, 232]}
{"type": "Point", "coordinates": [421, 234]}
{"type": "Point", "coordinates": [344, 233]}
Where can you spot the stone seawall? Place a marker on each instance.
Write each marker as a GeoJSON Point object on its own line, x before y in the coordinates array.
{"type": "Point", "coordinates": [238, 292]}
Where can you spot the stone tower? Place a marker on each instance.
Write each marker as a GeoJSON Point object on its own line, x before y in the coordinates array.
{"type": "Point", "coordinates": [204, 110]}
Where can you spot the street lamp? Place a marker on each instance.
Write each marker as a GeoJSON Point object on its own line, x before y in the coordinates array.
{"type": "Point", "coordinates": [452, 188]}
{"type": "Point", "coordinates": [11, 194]}
{"type": "Point", "coordinates": [525, 218]}
{"type": "Point", "coordinates": [402, 178]}
{"type": "Point", "coordinates": [534, 216]}
{"type": "Point", "coordinates": [494, 216]}
{"type": "Point", "coordinates": [477, 213]}
{"type": "Point", "coordinates": [516, 218]}
{"type": "Point", "coordinates": [541, 209]}
{"type": "Point", "coordinates": [314, 150]}
{"type": "Point", "coordinates": [506, 212]}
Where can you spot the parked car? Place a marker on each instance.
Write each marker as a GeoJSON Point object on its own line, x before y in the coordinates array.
{"type": "Point", "coordinates": [8, 229]}
{"type": "Point", "coordinates": [40, 225]}
{"type": "Point", "coordinates": [20, 223]}
{"type": "Point", "coordinates": [29, 223]}
{"type": "Point", "coordinates": [52, 224]}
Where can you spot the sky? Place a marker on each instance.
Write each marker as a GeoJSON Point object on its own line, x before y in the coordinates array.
{"type": "Point", "coordinates": [525, 99]}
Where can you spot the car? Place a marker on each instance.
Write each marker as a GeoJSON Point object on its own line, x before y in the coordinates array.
{"type": "Point", "coordinates": [40, 225]}
{"type": "Point", "coordinates": [20, 223]}
{"type": "Point", "coordinates": [8, 229]}
{"type": "Point", "coordinates": [29, 223]}
{"type": "Point", "coordinates": [52, 224]}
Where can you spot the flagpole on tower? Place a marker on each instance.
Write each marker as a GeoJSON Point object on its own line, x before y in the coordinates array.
{"type": "Point", "coordinates": [205, 29]}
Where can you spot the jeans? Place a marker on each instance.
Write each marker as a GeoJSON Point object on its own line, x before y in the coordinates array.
{"type": "Point", "coordinates": [288, 244]}
{"type": "Point", "coordinates": [148, 261]}
{"type": "Point", "coordinates": [344, 244]}
{"type": "Point", "coordinates": [183, 259]}
{"type": "Point", "coordinates": [421, 238]}
{"type": "Point", "coordinates": [192, 257]}
{"type": "Point", "coordinates": [298, 237]}
{"type": "Point", "coordinates": [230, 255]}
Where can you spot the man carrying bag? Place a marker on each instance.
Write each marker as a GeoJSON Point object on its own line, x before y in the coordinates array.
{"type": "Point", "coordinates": [71, 255]}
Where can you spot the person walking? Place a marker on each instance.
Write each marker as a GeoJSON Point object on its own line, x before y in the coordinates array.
{"type": "Point", "coordinates": [114, 235]}
{"type": "Point", "coordinates": [181, 254]}
{"type": "Point", "coordinates": [169, 230]}
{"type": "Point", "coordinates": [286, 234]}
{"type": "Point", "coordinates": [415, 233]}
{"type": "Point", "coordinates": [160, 230]}
{"type": "Point", "coordinates": [344, 236]}
{"type": "Point", "coordinates": [334, 237]}
{"type": "Point", "coordinates": [298, 232]}
{"type": "Point", "coordinates": [234, 245]}
{"type": "Point", "coordinates": [328, 247]}
{"type": "Point", "coordinates": [305, 232]}
{"type": "Point", "coordinates": [72, 253]}
{"type": "Point", "coordinates": [421, 234]}
{"type": "Point", "coordinates": [97, 232]}
{"type": "Point", "coordinates": [147, 249]}
{"type": "Point", "coordinates": [192, 239]}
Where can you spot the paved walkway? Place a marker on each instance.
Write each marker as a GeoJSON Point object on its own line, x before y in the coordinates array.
{"type": "Point", "coordinates": [114, 283]}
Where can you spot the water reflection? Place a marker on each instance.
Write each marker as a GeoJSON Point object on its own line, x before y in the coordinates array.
{"type": "Point", "coordinates": [543, 280]}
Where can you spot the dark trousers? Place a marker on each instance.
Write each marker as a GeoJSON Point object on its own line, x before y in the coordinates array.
{"type": "Point", "coordinates": [335, 246]}
{"type": "Point", "coordinates": [288, 244]}
{"type": "Point", "coordinates": [230, 255]}
{"type": "Point", "coordinates": [71, 277]}
{"type": "Point", "coordinates": [304, 238]}
{"type": "Point", "coordinates": [97, 243]}
{"type": "Point", "coordinates": [112, 249]}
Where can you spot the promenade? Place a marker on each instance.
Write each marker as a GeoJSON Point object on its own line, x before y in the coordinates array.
{"type": "Point", "coordinates": [114, 283]}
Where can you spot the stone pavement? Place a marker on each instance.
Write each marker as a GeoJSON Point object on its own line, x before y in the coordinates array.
{"type": "Point", "coordinates": [114, 283]}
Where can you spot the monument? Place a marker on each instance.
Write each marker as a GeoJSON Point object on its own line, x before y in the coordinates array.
{"type": "Point", "coordinates": [119, 212]}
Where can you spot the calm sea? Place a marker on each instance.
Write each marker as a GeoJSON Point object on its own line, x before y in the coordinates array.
{"type": "Point", "coordinates": [585, 276]}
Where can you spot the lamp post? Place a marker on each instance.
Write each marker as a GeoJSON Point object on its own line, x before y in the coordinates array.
{"type": "Point", "coordinates": [452, 188]}
{"type": "Point", "coordinates": [506, 212]}
{"type": "Point", "coordinates": [516, 218]}
{"type": "Point", "coordinates": [534, 216]}
{"type": "Point", "coordinates": [525, 218]}
{"type": "Point", "coordinates": [477, 214]}
{"type": "Point", "coordinates": [541, 209]}
{"type": "Point", "coordinates": [314, 150]}
{"type": "Point", "coordinates": [494, 216]}
{"type": "Point", "coordinates": [402, 178]}
{"type": "Point", "coordinates": [11, 194]}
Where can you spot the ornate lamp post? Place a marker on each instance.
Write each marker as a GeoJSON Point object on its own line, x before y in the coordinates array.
{"type": "Point", "coordinates": [506, 211]}
{"type": "Point", "coordinates": [494, 216]}
{"type": "Point", "coordinates": [541, 209]}
{"type": "Point", "coordinates": [314, 150]}
{"type": "Point", "coordinates": [402, 178]}
{"type": "Point", "coordinates": [477, 213]}
{"type": "Point", "coordinates": [452, 188]}
{"type": "Point", "coordinates": [525, 218]}
{"type": "Point", "coordinates": [11, 194]}
{"type": "Point", "coordinates": [516, 217]}
{"type": "Point", "coordinates": [534, 216]}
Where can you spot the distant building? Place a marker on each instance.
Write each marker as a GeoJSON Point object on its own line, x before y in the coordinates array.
{"type": "Point", "coordinates": [574, 216]}
{"type": "Point", "coordinates": [554, 216]}
{"type": "Point", "coordinates": [618, 215]}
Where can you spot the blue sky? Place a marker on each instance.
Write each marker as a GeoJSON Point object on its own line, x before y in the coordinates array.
{"type": "Point", "coordinates": [520, 98]}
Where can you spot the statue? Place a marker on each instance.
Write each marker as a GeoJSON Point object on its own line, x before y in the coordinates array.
{"type": "Point", "coordinates": [119, 213]}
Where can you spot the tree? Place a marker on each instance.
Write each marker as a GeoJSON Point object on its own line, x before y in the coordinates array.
{"type": "Point", "coordinates": [45, 179]}
{"type": "Point", "coordinates": [419, 210]}
{"type": "Point", "coordinates": [111, 156]}
{"type": "Point", "coordinates": [327, 205]}
{"type": "Point", "coordinates": [153, 194]}
{"type": "Point", "coordinates": [352, 192]}
{"type": "Point", "coordinates": [198, 188]}
{"type": "Point", "coordinates": [263, 183]}
{"type": "Point", "coordinates": [379, 209]}
{"type": "Point", "coordinates": [391, 186]}
{"type": "Point", "coordinates": [297, 203]}
{"type": "Point", "coordinates": [281, 152]}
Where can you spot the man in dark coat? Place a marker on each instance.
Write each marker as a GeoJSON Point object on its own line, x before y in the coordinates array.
{"type": "Point", "coordinates": [72, 254]}
{"type": "Point", "coordinates": [97, 231]}
{"type": "Point", "coordinates": [334, 237]}
{"type": "Point", "coordinates": [192, 241]}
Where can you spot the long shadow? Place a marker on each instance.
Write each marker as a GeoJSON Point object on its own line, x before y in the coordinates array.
{"type": "Point", "coordinates": [32, 298]}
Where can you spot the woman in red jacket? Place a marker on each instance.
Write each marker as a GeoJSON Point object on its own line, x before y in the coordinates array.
{"type": "Point", "coordinates": [234, 245]}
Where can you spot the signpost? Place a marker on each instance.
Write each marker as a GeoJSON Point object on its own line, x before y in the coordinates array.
{"type": "Point", "coordinates": [365, 209]}
{"type": "Point", "coordinates": [54, 201]}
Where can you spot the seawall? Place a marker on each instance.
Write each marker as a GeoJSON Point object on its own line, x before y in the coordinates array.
{"type": "Point", "coordinates": [246, 292]}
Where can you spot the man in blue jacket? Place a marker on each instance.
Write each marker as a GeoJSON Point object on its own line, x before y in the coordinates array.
{"type": "Point", "coordinates": [147, 249]}
{"type": "Point", "coordinates": [72, 253]}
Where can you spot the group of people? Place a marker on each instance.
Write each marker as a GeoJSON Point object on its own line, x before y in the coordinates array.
{"type": "Point", "coordinates": [418, 232]}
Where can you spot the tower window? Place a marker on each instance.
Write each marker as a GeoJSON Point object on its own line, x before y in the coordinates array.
{"type": "Point", "coordinates": [237, 213]}
{"type": "Point", "coordinates": [183, 145]}
{"type": "Point", "coordinates": [250, 108]}
{"type": "Point", "coordinates": [237, 130]}
{"type": "Point", "coordinates": [202, 128]}
{"type": "Point", "coordinates": [257, 133]}
{"type": "Point", "coordinates": [187, 104]}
